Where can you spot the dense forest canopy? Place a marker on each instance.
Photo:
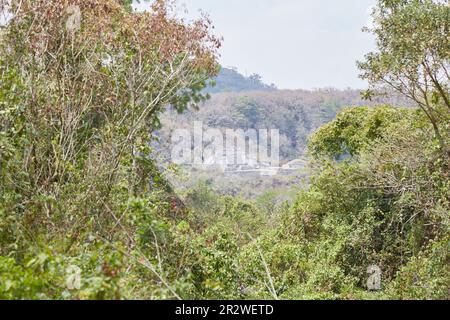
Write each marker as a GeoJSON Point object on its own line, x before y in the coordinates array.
{"type": "Point", "coordinates": [88, 212]}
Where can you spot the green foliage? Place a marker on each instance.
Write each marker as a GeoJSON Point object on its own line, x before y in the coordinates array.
{"type": "Point", "coordinates": [426, 276]}
{"type": "Point", "coordinates": [356, 130]}
{"type": "Point", "coordinates": [374, 207]}
{"type": "Point", "coordinates": [86, 213]}
{"type": "Point", "coordinates": [412, 57]}
{"type": "Point", "coordinates": [383, 205]}
{"type": "Point", "coordinates": [89, 275]}
{"type": "Point", "coordinates": [19, 283]}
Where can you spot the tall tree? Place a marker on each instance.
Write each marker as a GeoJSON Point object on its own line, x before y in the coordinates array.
{"type": "Point", "coordinates": [82, 85]}
{"type": "Point", "coordinates": [413, 56]}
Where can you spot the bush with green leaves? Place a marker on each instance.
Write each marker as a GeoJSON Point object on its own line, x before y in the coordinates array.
{"type": "Point", "coordinates": [372, 200]}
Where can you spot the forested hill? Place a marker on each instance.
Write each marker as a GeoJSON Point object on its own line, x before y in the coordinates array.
{"type": "Point", "coordinates": [230, 80]}
{"type": "Point", "coordinates": [242, 103]}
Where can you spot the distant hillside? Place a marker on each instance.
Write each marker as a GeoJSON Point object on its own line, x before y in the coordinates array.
{"type": "Point", "coordinates": [230, 80]}
{"type": "Point", "coordinates": [296, 113]}
{"type": "Point", "coordinates": [241, 102]}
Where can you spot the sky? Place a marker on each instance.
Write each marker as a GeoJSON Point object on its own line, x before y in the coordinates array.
{"type": "Point", "coordinates": [295, 44]}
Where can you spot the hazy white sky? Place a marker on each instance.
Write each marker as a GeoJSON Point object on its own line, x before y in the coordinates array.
{"type": "Point", "coordinates": [291, 43]}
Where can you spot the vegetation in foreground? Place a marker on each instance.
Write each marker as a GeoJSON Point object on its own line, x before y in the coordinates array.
{"type": "Point", "coordinates": [79, 220]}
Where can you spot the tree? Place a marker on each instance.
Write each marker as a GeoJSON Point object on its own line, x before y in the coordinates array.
{"type": "Point", "coordinates": [82, 86]}
{"type": "Point", "coordinates": [412, 56]}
